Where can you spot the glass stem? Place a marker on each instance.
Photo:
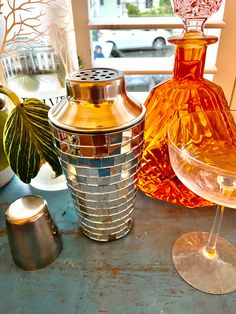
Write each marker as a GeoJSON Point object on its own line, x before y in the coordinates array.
{"type": "Point", "coordinates": [212, 241]}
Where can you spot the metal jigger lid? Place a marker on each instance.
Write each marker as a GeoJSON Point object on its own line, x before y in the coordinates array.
{"type": "Point", "coordinates": [26, 209]}
{"type": "Point", "coordinates": [96, 102]}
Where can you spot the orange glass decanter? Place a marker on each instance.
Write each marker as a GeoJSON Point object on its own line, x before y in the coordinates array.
{"type": "Point", "coordinates": [186, 92]}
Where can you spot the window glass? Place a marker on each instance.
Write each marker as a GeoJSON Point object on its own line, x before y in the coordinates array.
{"type": "Point", "coordinates": [137, 8]}
{"type": "Point", "coordinates": [132, 43]}
{"type": "Point", "coordinates": [143, 83]}
{"type": "Point", "coordinates": [141, 43]}
{"type": "Point", "coordinates": [130, 8]}
{"type": "Point", "coordinates": [126, 42]}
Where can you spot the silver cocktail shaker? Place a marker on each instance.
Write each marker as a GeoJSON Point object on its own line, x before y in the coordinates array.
{"type": "Point", "coordinates": [98, 132]}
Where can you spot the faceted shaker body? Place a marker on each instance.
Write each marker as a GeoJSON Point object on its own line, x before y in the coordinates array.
{"type": "Point", "coordinates": [186, 92]}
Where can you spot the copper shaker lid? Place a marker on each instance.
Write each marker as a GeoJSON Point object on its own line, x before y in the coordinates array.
{"type": "Point", "coordinates": [96, 102]}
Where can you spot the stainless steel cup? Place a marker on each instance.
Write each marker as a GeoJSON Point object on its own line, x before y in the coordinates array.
{"type": "Point", "coordinates": [98, 132]}
{"type": "Point", "coordinates": [33, 237]}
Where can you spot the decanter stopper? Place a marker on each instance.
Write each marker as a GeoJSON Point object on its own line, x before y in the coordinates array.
{"type": "Point", "coordinates": [194, 13]}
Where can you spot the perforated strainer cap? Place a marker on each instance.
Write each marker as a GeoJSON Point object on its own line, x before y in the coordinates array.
{"type": "Point", "coordinates": [93, 75]}
{"type": "Point", "coordinates": [96, 101]}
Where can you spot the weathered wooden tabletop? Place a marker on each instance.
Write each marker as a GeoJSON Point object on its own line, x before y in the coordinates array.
{"type": "Point", "coordinates": [132, 275]}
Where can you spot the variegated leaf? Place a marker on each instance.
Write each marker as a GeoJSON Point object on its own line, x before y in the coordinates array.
{"type": "Point", "coordinates": [28, 140]}
{"type": "Point", "coordinates": [3, 159]}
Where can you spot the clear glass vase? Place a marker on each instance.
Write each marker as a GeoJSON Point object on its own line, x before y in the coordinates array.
{"type": "Point", "coordinates": [37, 48]}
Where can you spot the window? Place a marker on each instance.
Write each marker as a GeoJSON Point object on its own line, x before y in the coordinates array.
{"type": "Point", "coordinates": [218, 68]}
{"type": "Point", "coordinates": [89, 25]}
{"type": "Point", "coordinates": [142, 53]}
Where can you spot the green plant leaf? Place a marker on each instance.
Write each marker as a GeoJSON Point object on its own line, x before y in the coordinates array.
{"type": "Point", "coordinates": [3, 158]}
{"type": "Point", "coordinates": [28, 140]}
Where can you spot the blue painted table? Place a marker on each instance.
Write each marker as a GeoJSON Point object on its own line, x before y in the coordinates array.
{"type": "Point", "coordinates": [132, 275]}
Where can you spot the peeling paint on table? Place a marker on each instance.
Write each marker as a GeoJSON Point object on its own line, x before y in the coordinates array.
{"type": "Point", "coordinates": [132, 275]}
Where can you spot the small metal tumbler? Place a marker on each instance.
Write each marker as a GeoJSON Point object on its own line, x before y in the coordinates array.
{"type": "Point", "coordinates": [33, 237]}
{"type": "Point", "coordinates": [98, 133]}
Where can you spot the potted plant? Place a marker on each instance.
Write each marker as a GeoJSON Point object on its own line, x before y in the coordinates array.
{"type": "Point", "coordinates": [25, 137]}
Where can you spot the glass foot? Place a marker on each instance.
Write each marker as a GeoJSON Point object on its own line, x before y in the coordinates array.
{"type": "Point", "coordinates": [212, 274]}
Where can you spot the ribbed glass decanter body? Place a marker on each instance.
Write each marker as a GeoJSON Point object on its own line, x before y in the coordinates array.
{"type": "Point", "coordinates": [186, 92]}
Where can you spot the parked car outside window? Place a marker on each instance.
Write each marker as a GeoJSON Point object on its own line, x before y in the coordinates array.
{"type": "Point", "coordinates": [135, 38]}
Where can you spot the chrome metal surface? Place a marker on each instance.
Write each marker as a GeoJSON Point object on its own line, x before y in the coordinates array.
{"type": "Point", "coordinates": [33, 237]}
{"type": "Point", "coordinates": [96, 102]}
{"type": "Point", "coordinates": [95, 75]}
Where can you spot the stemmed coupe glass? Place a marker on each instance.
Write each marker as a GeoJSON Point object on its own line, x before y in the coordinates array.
{"type": "Point", "coordinates": [202, 150]}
